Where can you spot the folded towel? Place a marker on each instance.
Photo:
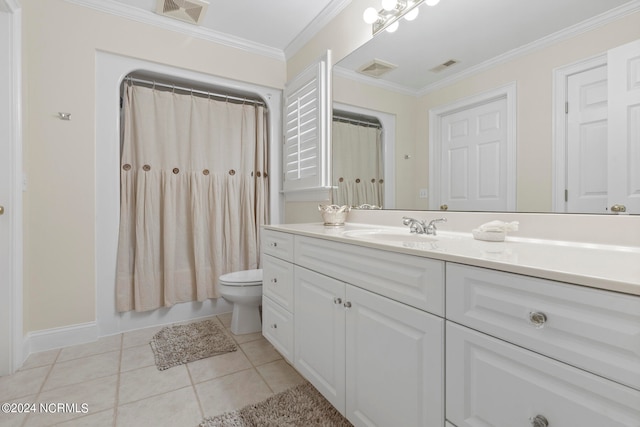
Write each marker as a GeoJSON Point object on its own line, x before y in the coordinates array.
{"type": "Point", "coordinates": [494, 231]}
{"type": "Point", "coordinates": [499, 226]}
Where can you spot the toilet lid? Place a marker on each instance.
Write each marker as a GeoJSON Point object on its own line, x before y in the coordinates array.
{"type": "Point", "coordinates": [243, 278]}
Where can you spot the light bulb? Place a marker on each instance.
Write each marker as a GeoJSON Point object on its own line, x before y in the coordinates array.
{"type": "Point", "coordinates": [370, 15]}
{"type": "Point", "coordinates": [412, 14]}
{"type": "Point", "coordinates": [432, 2]}
{"type": "Point", "coordinates": [389, 5]}
{"type": "Point", "coordinates": [393, 27]}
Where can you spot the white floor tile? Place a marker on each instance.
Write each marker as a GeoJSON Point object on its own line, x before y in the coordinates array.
{"type": "Point", "coordinates": [231, 392]}
{"type": "Point", "coordinates": [22, 383]}
{"type": "Point", "coordinates": [177, 408]}
{"type": "Point", "coordinates": [137, 357]}
{"type": "Point", "coordinates": [218, 366]}
{"type": "Point", "coordinates": [82, 370]}
{"type": "Point", "coordinates": [149, 381]}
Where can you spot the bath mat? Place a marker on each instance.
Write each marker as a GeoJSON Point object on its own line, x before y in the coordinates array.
{"type": "Point", "coordinates": [299, 406]}
{"type": "Point", "coordinates": [180, 344]}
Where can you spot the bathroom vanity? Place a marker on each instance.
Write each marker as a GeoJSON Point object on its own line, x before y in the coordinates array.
{"type": "Point", "coordinates": [396, 328]}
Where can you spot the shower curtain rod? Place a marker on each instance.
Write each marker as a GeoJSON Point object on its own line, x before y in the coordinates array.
{"type": "Point", "coordinates": [357, 121]}
{"type": "Point", "coordinates": [191, 90]}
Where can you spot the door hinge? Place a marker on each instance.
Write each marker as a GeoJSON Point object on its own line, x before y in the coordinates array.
{"type": "Point", "coordinates": [566, 108]}
{"type": "Point", "coordinates": [566, 195]}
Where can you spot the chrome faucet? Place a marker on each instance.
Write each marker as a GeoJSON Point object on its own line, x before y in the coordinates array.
{"type": "Point", "coordinates": [421, 227]}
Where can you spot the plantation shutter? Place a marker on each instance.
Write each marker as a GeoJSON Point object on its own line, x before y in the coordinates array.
{"type": "Point", "coordinates": [307, 112]}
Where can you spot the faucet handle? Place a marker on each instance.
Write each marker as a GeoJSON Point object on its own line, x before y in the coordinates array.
{"type": "Point", "coordinates": [433, 221]}
{"type": "Point", "coordinates": [406, 220]}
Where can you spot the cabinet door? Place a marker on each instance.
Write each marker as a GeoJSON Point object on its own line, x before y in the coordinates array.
{"type": "Point", "coordinates": [277, 327]}
{"type": "Point", "coordinates": [319, 333]}
{"type": "Point", "coordinates": [394, 363]}
{"type": "Point", "coordinates": [491, 383]}
{"type": "Point", "coordinates": [277, 281]}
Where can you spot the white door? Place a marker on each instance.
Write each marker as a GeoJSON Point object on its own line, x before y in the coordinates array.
{"type": "Point", "coordinates": [624, 127]}
{"type": "Point", "coordinates": [394, 360]}
{"type": "Point", "coordinates": [474, 156]}
{"type": "Point", "coordinates": [319, 336]}
{"type": "Point", "coordinates": [587, 179]}
{"type": "Point", "coordinates": [6, 286]}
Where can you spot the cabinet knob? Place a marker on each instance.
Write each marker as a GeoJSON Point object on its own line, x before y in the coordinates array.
{"type": "Point", "coordinates": [274, 280]}
{"type": "Point", "coordinates": [273, 244]}
{"type": "Point", "coordinates": [537, 319]}
{"type": "Point", "coordinates": [539, 421]}
{"type": "Point", "coordinates": [347, 304]}
{"type": "Point", "coordinates": [274, 326]}
{"type": "Point", "coordinates": [337, 300]}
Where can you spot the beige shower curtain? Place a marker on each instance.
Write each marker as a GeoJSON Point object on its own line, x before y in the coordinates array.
{"type": "Point", "coordinates": [194, 194]}
{"type": "Point", "coordinates": [357, 164]}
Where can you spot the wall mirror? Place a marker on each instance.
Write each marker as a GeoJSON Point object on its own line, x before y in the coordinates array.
{"type": "Point", "coordinates": [436, 78]}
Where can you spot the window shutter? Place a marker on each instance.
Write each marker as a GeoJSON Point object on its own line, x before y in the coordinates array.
{"type": "Point", "coordinates": [306, 129]}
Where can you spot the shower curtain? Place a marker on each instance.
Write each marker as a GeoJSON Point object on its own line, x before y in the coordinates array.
{"type": "Point", "coordinates": [357, 164]}
{"type": "Point", "coordinates": [194, 194]}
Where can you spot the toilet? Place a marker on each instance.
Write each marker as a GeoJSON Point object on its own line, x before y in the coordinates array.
{"type": "Point", "coordinates": [244, 290]}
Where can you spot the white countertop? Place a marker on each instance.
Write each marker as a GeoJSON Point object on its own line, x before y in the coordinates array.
{"type": "Point", "coordinates": [609, 267]}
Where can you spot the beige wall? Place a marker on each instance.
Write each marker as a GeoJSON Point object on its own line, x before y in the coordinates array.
{"type": "Point", "coordinates": [60, 41]}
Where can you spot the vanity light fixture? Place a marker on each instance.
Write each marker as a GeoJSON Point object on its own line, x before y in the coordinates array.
{"type": "Point", "coordinates": [391, 12]}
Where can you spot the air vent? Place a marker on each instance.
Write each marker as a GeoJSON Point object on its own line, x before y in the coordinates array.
{"type": "Point", "coordinates": [376, 68]}
{"type": "Point", "coordinates": [444, 66]}
{"type": "Point", "coordinates": [191, 11]}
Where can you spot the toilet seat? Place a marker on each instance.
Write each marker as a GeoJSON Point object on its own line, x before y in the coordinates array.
{"type": "Point", "coordinates": [242, 278]}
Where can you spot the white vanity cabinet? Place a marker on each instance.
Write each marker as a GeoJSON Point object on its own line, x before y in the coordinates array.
{"type": "Point", "coordinates": [362, 333]}
{"type": "Point", "coordinates": [531, 352]}
{"type": "Point", "coordinates": [379, 362]}
{"type": "Point", "coordinates": [277, 291]}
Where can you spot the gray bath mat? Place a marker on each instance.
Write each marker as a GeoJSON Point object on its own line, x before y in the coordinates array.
{"type": "Point", "coordinates": [299, 406]}
{"type": "Point", "coordinates": [180, 344]}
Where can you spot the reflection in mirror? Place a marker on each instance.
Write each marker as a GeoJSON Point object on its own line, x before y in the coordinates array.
{"type": "Point", "coordinates": [464, 48]}
{"type": "Point", "coordinates": [358, 172]}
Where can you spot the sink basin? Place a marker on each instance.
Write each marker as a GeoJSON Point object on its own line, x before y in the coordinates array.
{"type": "Point", "coordinates": [389, 236]}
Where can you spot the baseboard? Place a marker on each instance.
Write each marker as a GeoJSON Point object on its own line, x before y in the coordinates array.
{"type": "Point", "coordinates": [49, 339]}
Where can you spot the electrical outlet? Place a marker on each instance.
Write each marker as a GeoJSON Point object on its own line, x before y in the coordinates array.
{"type": "Point", "coordinates": [424, 193]}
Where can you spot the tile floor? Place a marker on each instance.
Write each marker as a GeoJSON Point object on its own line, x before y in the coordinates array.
{"type": "Point", "coordinates": [117, 379]}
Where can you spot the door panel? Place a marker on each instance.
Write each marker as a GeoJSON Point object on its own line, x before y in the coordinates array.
{"type": "Point", "coordinates": [474, 157]}
{"type": "Point", "coordinates": [624, 126]}
{"type": "Point", "coordinates": [587, 178]}
{"type": "Point", "coordinates": [394, 360]}
{"type": "Point", "coordinates": [319, 336]}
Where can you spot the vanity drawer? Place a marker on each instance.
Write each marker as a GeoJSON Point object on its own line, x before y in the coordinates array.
{"type": "Point", "coordinates": [592, 329]}
{"type": "Point", "coordinates": [412, 280]}
{"type": "Point", "coordinates": [493, 383]}
{"type": "Point", "coordinates": [277, 281]}
{"type": "Point", "coordinates": [277, 327]}
{"type": "Point", "coordinates": [277, 244]}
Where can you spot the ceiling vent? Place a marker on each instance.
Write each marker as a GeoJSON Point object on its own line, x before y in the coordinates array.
{"type": "Point", "coordinates": [376, 68]}
{"type": "Point", "coordinates": [191, 11]}
{"type": "Point", "coordinates": [444, 65]}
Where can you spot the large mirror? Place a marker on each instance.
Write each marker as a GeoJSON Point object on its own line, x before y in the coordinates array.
{"type": "Point", "coordinates": [468, 105]}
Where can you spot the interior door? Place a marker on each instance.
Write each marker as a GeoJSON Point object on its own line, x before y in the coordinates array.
{"type": "Point", "coordinates": [6, 287]}
{"type": "Point", "coordinates": [624, 128]}
{"type": "Point", "coordinates": [473, 147]}
{"type": "Point", "coordinates": [587, 127]}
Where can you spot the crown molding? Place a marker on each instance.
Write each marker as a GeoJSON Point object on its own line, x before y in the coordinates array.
{"type": "Point", "coordinates": [328, 13]}
{"type": "Point", "coordinates": [151, 18]}
{"type": "Point", "coordinates": [564, 34]}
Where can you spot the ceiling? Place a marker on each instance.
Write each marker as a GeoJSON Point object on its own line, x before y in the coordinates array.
{"type": "Point", "coordinates": [271, 23]}
{"type": "Point", "coordinates": [474, 32]}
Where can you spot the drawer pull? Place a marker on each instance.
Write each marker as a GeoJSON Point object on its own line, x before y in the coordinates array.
{"type": "Point", "coordinates": [539, 421]}
{"type": "Point", "coordinates": [537, 319]}
{"type": "Point", "coordinates": [274, 280]}
{"type": "Point", "coordinates": [273, 244]}
{"type": "Point", "coordinates": [347, 304]}
{"type": "Point", "coordinates": [337, 300]}
{"type": "Point", "coordinates": [274, 326]}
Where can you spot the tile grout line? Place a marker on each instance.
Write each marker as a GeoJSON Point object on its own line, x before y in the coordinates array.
{"type": "Point", "coordinates": [195, 391]}
{"type": "Point", "coordinates": [24, 423]}
{"type": "Point", "coordinates": [116, 402]}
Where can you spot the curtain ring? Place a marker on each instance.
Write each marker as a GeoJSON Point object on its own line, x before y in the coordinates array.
{"type": "Point", "coordinates": [258, 174]}
{"type": "Point", "coordinates": [146, 168]}
{"type": "Point", "coordinates": [357, 180]}
{"type": "Point", "coordinates": [341, 179]}
{"type": "Point", "coordinates": [232, 172]}
{"type": "Point", "coordinates": [176, 171]}
{"type": "Point", "coordinates": [205, 172]}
